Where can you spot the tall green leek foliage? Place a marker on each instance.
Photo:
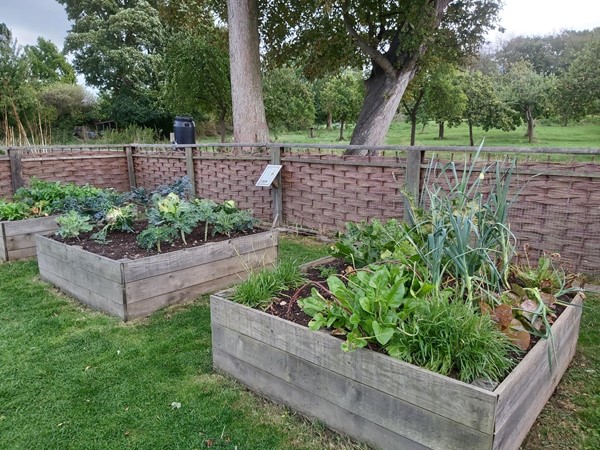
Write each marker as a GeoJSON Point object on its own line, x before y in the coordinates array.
{"type": "Point", "coordinates": [461, 228]}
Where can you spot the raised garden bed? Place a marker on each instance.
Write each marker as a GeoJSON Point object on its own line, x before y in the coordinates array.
{"type": "Point", "coordinates": [380, 400]}
{"type": "Point", "coordinates": [135, 288]}
{"type": "Point", "coordinates": [17, 238]}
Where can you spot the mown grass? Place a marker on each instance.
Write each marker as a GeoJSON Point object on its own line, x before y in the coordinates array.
{"type": "Point", "coordinates": [74, 378]}
{"type": "Point", "coordinates": [585, 134]}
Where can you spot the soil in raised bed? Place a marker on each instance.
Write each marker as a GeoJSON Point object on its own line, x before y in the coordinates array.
{"type": "Point", "coordinates": [121, 245]}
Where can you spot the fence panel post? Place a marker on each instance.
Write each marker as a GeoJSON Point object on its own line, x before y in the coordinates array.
{"type": "Point", "coordinates": [414, 159]}
{"type": "Point", "coordinates": [277, 188]}
{"type": "Point", "coordinates": [16, 168]}
{"type": "Point", "coordinates": [189, 165]}
{"type": "Point", "coordinates": [130, 166]}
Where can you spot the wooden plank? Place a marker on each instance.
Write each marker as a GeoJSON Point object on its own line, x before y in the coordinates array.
{"type": "Point", "coordinates": [316, 263]}
{"type": "Point", "coordinates": [30, 226]}
{"type": "Point", "coordinates": [183, 259]}
{"type": "Point", "coordinates": [90, 281]}
{"type": "Point", "coordinates": [130, 166]}
{"type": "Point", "coordinates": [406, 419]}
{"type": "Point", "coordinates": [277, 188]}
{"type": "Point", "coordinates": [175, 280]}
{"type": "Point", "coordinates": [150, 305]}
{"type": "Point", "coordinates": [76, 257]}
{"type": "Point", "coordinates": [190, 172]}
{"type": "Point", "coordinates": [3, 251]}
{"type": "Point", "coordinates": [523, 394]}
{"type": "Point", "coordinates": [27, 240]}
{"type": "Point", "coordinates": [306, 403]}
{"type": "Point", "coordinates": [463, 403]}
{"type": "Point", "coordinates": [22, 253]}
{"type": "Point", "coordinates": [85, 296]}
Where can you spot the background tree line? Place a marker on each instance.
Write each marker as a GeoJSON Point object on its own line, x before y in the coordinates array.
{"type": "Point", "coordinates": [321, 62]}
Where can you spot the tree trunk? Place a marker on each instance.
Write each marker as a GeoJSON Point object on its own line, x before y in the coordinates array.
{"type": "Point", "coordinates": [471, 141]}
{"type": "Point", "coordinates": [341, 129]}
{"type": "Point", "coordinates": [329, 120]}
{"type": "Point", "coordinates": [413, 129]}
{"type": "Point", "coordinates": [530, 125]}
{"type": "Point", "coordinates": [384, 94]}
{"type": "Point", "coordinates": [249, 121]}
{"type": "Point", "coordinates": [441, 130]}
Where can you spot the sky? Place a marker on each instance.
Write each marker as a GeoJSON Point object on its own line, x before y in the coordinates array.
{"type": "Point", "coordinates": [29, 19]}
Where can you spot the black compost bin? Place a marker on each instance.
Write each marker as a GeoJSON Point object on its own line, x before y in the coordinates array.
{"type": "Point", "coordinates": [184, 129]}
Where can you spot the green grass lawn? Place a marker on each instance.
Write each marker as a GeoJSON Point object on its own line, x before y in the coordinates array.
{"type": "Point", "coordinates": [72, 378]}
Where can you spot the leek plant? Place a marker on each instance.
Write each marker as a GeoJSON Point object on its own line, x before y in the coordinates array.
{"type": "Point", "coordinates": [467, 240]}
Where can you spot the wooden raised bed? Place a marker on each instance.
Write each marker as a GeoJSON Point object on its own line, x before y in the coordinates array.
{"type": "Point", "coordinates": [379, 400]}
{"type": "Point", "coordinates": [134, 288]}
{"type": "Point", "coordinates": [17, 238]}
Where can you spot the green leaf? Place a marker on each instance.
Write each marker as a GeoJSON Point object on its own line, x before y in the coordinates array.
{"type": "Point", "coordinates": [366, 304]}
{"type": "Point", "coordinates": [382, 334]}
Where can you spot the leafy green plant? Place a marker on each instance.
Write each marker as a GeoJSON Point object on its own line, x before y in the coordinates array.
{"type": "Point", "coordinates": [260, 287]}
{"type": "Point", "coordinates": [155, 236]}
{"type": "Point", "coordinates": [364, 243]}
{"type": "Point", "coordinates": [326, 271]}
{"type": "Point", "coordinates": [14, 210]}
{"type": "Point", "coordinates": [369, 305]}
{"type": "Point", "coordinates": [206, 211]}
{"type": "Point", "coordinates": [116, 219]}
{"type": "Point", "coordinates": [72, 224]}
{"type": "Point", "coordinates": [174, 212]}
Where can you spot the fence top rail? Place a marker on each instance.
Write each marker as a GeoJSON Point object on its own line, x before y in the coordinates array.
{"type": "Point", "coordinates": [340, 147]}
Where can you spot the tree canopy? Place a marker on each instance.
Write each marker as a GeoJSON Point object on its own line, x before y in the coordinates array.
{"type": "Point", "coordinates": [389, 36]}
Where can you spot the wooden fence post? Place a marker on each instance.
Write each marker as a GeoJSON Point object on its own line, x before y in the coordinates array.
{"type": "Point", "coordinates": [277, 188]}
{"type": "Point", "coordinates": [189, 164]}
{"type": "Point", "coordinates": [414, 159]}
{"type": "Point", "coordinates": [130, 166]}
{"type": "Point", "coordinates": [16, 168]}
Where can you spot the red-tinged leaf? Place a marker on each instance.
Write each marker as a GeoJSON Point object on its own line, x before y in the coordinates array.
{"type": "Point", "coordinates": [548, 299]}
{"type": "Point", "coordinates": [209, 443]}
{"type": "Point", "coordinates": [518, 335]}
{"type": "Point", "coordinates": [503, 315]}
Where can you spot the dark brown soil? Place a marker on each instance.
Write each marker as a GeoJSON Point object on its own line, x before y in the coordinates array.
{"type": "Point", "coordinates": [121, 245]}
{"type": "Point", "coordinates": [286, 303]}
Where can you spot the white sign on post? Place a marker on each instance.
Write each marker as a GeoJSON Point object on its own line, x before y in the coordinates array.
{"type": "Point", "coordinates": [268, 175]}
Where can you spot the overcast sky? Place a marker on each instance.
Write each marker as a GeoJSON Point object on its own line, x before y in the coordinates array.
{"type": "Point", "coordinates": [29, 19]}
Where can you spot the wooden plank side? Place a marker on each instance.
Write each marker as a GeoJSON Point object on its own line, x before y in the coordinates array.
{"type": "Point", "coordinates": [76, 257]}
{"type": "Point", "coordinates": [523, 394]}
{"type": "Point", "coordinates": [84, 295]}
{"type": "Point", "coordinates": [306, 403]}
{"type": "Point", "coordinates": [90, 281]}
{"type": "Point", "coordinates": [406, 419]}
{"type": "Point", "coordinates": [22, 253]}
{"type": "Point", "coordinates": [149, 305]}
{"type": "Point", "coordinates": [183, 259]}
{"type": "Point", "coordinates": [170, 281]}
{"type": "Point", "coordinates": [463, 403]}
{"type": "Point", "coordinates": [26, 240]}
{"type": "Point", "coordinates": [30, 226]}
